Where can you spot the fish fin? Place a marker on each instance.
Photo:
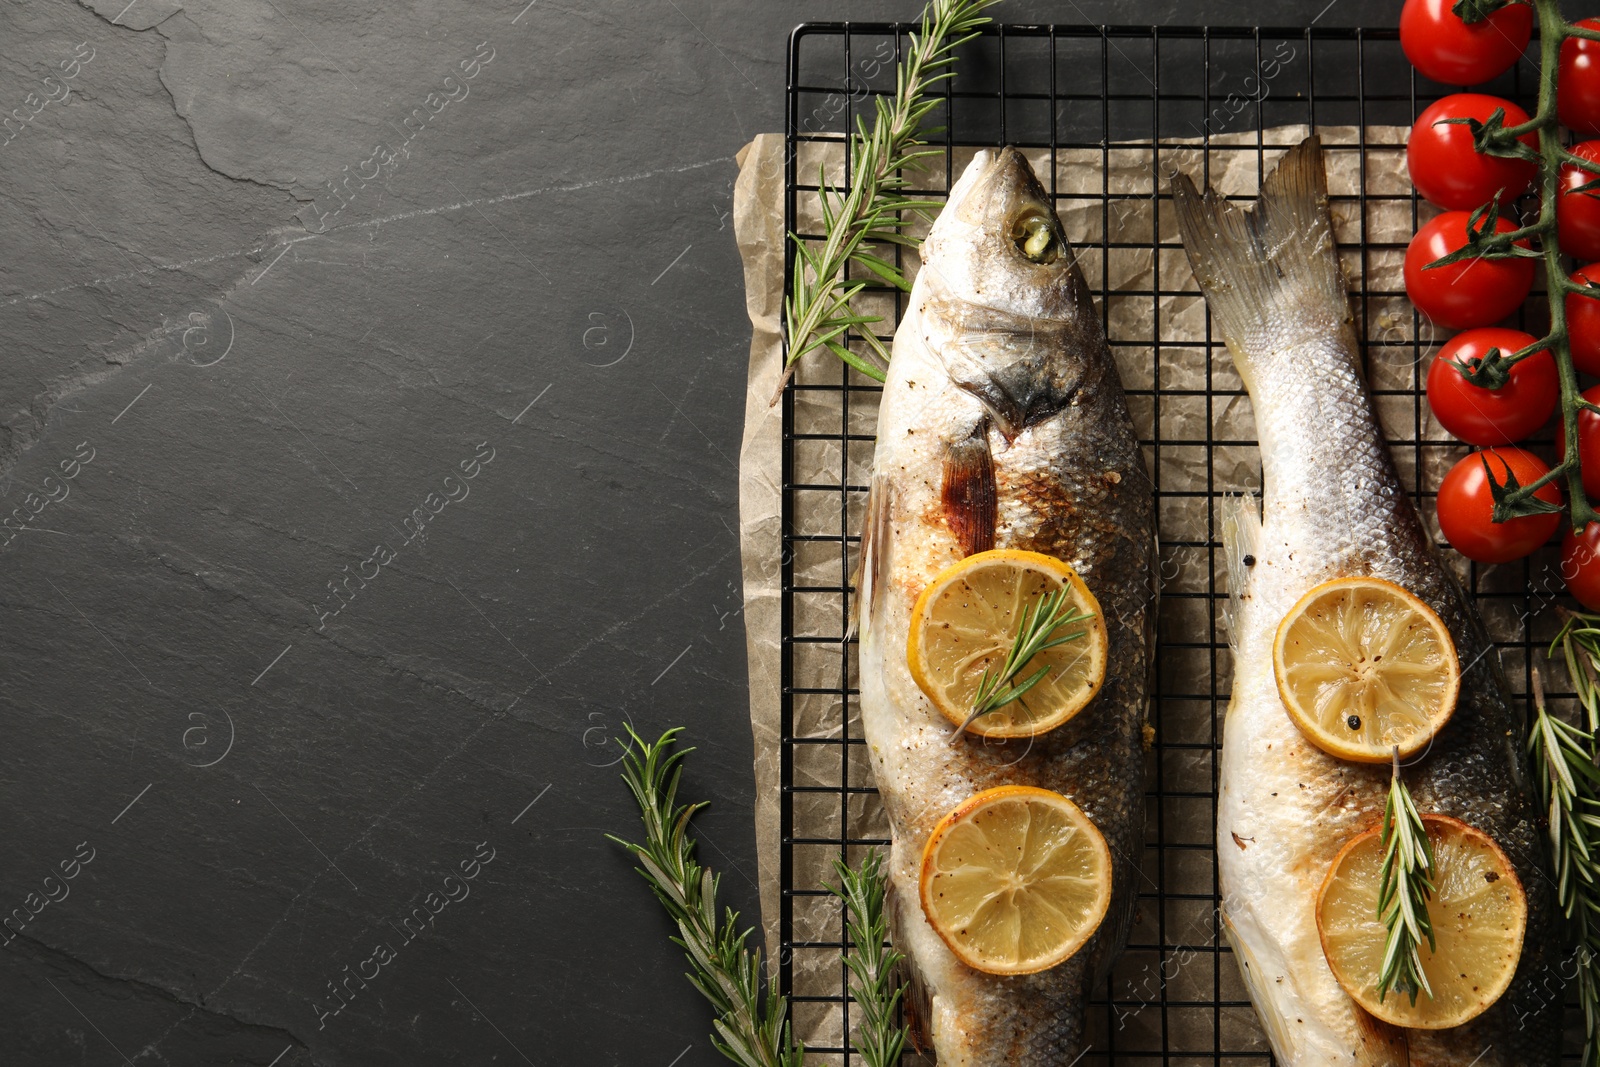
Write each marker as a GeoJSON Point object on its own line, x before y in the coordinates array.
{"type": "Point", "coordinates": [918, 1005]}
{"type": "Point", "coordinates": [1241, 539]}
{"type": "Point", "coordinates": [1263, 265]}
{"type": "Point", "coordinates": [872, 559]}
{"type": "Point", "coordinates": [918, 999]}
{"type": "Point", "coordinates": [1266, 991]}
{"type": "Point", "coordinates": [968, 493]}
{"type": "Point", "coordinates": [1277, 998]}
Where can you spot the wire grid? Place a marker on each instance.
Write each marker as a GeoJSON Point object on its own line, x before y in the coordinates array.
{"type": "Point", "coordinates": [1175, 996]}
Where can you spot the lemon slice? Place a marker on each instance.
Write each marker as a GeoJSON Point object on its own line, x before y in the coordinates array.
{"type": "Point", "coordinates": [965, 622]}
{"type": "Point", "coordinates": [1479, 913]}
{"type": "Point", "coordinates": [1015, 879]}
{"type": "Point", "coordinates": [1364, 666]}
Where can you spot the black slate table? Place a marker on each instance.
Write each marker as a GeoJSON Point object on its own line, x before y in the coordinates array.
{"type": "Point", "coordinates": [370, 402]}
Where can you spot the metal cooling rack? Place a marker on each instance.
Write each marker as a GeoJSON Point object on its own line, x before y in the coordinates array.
{"type": "Point", "coordinates": [1175, 997]}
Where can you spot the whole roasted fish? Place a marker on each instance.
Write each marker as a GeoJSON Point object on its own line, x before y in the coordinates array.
{"type": "Point", "coordinates": [1003, 425]}
{"type": "Point", "coordinates": [1334, 507]}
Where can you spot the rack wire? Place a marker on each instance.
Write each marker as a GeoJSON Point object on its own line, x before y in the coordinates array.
{"type": "Point", "coordinates": [1086, 93]}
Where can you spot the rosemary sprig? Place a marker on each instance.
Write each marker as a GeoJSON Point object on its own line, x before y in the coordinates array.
{"type": "Point", "coordinates": [1035, 634]}
{"type": "Point", "coordinates": [752, 1031]}
{"type": "Point", "coordinates": [870, 210]}
{"type": "Point", "coordinates": [1404, 886]}
{"type": "Point", "coordinates": [1564, 758]}
{"type": "Point", "coordinates": [1579, 642]}
{"type": "Point", "coordinates": [871, 961]}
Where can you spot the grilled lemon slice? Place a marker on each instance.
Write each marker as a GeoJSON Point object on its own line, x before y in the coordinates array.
{"type": "Point", "coordinates": [1015, 880]}
{"type": "Point", "coordinates": [965, 623]}
{"type": "Point", "coordinates": [1479, 913]}
{"type": "Point", "coordinates": [1364, 666]}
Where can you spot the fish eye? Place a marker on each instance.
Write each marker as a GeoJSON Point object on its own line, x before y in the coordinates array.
{"type": "Point", "coordinates": [1035, 238]}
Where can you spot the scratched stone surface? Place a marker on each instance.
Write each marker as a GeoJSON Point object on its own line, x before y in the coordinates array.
{"type": "Point", "coordinates": [371, 381]}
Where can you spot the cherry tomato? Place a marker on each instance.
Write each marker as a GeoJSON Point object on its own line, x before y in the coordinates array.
{"type": "Point", "coordinates": [1447, 170]}
{"type": "Point", "coordinates": [1500, 416]}
{"type": "Point", "coordinates": [1465, 504]}
{"type": "Point", "coordinates": [1580, 565]}
{"type": "Point", "coordinates": [1447, 50]}
{"type": "Point", "coordinates": [1583, 322]}
{"type": "Point", "coordinates": [1588, 444]}
{"type": "Point", "coordinates": [1578, 83]}
{"type": "Point", "coordinates": [1578, 214]}
{"type": "Point", "coordinates": [1472, 292]}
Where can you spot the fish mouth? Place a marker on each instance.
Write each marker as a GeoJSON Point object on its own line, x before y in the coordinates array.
{"type": "Point", "coordinates": [1031, 224]}
{"type": "Point", "coordinates": [1009, 199]}
{"type": "Point", "coordinates": [1010, 289]}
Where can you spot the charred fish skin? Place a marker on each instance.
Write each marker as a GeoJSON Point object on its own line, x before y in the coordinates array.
{"type": "Point", "coordinates": [1333, 506]}
{"type": "Point", "coordinates": [1003, 424]}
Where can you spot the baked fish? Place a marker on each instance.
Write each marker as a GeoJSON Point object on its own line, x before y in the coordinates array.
{"type": "Point", "coordinates": [1333, 507]}
{"type": "Point", "coordinates": [1003, 426]}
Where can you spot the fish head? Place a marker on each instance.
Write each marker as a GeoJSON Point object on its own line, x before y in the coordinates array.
{"type": "Point", "coordinates": [1018, 326]}
{"type": "Point", "coordinates": [999, 244]}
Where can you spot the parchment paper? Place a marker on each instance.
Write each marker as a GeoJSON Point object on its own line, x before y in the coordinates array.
{"type": "Point", "coordinates": [758, 227]}
{"type": "Point", "coordinates": [1148, 294]}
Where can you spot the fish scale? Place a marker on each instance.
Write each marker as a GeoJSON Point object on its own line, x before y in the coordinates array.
{"type": "Point", "coordinates": [1002, 383]}
{"type": "Point", "coordinates": [1333, 506]}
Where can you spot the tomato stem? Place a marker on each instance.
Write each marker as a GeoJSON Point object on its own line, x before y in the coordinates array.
{"type": "Point", "coordinates": [1540, 229]}
{"type": "Point", "coordinates": [1577, 160]}
{"type": "Point", "coordinates": [1522, 129]}
{"type": "Point", "coordinates": [1553, 30]}
{"type": "Point", "coordinates": [1492, 370]}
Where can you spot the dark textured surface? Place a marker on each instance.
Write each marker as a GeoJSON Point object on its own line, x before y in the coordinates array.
{"type": "Point", "coordinates": [270, 381]}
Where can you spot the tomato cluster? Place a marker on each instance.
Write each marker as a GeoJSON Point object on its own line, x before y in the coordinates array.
{"type": "Point", "coordinates": [1476, 390]}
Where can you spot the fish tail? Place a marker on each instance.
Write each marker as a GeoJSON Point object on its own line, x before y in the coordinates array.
{"type": "Point", "coordinates": [1262, 266]}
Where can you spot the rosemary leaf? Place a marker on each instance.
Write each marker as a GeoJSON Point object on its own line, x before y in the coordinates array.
{"type": "Point", "coordinates": [752, 1030]}
{"type": "Point", "coordinates": [1564, 765]}
{"type": "Point", "coordinates": [1036, 633]}
{"type": "Point", "coordinates": [1405, 884]}
{"type": "Point", "coordinates": [872, 206]}
{"type": "Point", "coordinates": [870, 961]}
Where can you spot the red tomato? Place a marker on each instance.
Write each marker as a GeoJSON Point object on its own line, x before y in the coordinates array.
{"type": "Point", "coordinates": [1580, 565]}
{"type": "Point", "coordinates": [1473, 292]}
{"type": "Point", "coordinates": [1578, 214]}
{"type": "Point", "coordinates": [1578, 83]}
{"type": "Point", "coordinates": [1500, 416]}
{"type": "Point", "coordinates": [1588, 444]}
{"type": "Point", "coordinates": [1583, 322]}
{"type": "Point", "coordinates": [1447, 170]}
{"type": "Point", "coordinates": [1447, 50]}
{"type": "Point", "coordinates": [1465, 504]}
